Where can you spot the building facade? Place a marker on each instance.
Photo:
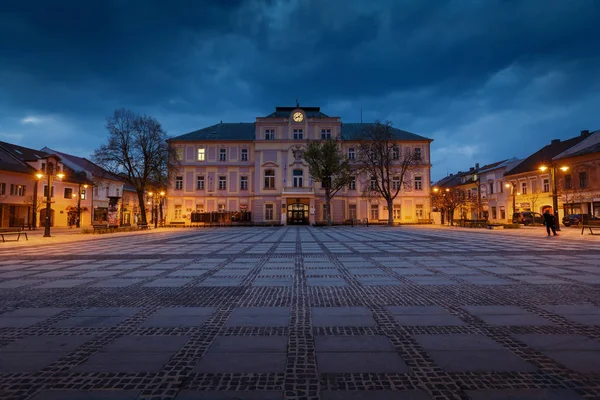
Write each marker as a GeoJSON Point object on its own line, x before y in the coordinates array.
{"type": "Point", "coordinates": [257, 167]}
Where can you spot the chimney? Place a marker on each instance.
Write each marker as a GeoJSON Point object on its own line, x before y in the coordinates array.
{"type": "Point", "coordinates": [471, 169]}
{"type": "Point", "coordinates": [585, 132]}
{"type": "Point", "coordinates": [555, 141]}
{"type": "Point", "coordinates": [476, 165]}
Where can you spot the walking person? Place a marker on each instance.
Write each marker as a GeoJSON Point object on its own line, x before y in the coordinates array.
{"type": "Point", "coordinates": [550, 223]}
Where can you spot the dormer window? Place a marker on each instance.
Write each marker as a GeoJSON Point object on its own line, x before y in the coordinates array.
{"type": "Point", "coordinates": [269, 134]}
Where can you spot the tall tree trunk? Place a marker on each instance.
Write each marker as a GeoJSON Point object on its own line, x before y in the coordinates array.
{"type": "Point", "coordinates": [328, 205]}
{"type": "Point", "coordinates": [142, 203]}
{"type": "Point", "coordinates": [390, 203]}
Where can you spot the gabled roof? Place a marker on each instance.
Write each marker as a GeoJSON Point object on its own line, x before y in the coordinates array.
{"type": "Point", "coordinates": [83, 164]}
{"type": "Point", "coordinates": [449, 181]}
{"type": "Point", "coordinates": [352, 131]}
{"type": "Point", "coordinates": [221, 131]}
{"type": "Point", "coordinates": [545, 155]}
{"type": "Point", "coordinates": [590, 145]}
{"type": "Point", "coordinates": [23, 153]}
{"type": "Point", "coordinates": [284, 112]}
{"type": "Point", "coordinates": [588, 150]}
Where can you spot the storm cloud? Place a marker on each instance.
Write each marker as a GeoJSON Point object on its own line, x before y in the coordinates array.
{"type": "Point", "coordinates": [487, 80]}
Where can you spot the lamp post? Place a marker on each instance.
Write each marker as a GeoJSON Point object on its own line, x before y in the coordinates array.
{"type": "Point", "coordinates": [160, 204]}
{"type": "Point", "coordinates": [512, 185]}
{"type": "Point", "coordinates": [51, 168]}
{"type": "Point", "coordinates": [79, 196]}
{"type": "Point", "coordinates": [552, 168]}
{"type": "Point", "coordinates": [151, 194]}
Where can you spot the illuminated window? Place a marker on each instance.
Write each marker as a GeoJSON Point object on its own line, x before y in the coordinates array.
{"type": "Point", "coordinates": [201, 154]}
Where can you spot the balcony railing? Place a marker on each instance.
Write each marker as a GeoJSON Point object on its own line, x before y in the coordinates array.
{"type": "Point", "coordinates": [304, 190]}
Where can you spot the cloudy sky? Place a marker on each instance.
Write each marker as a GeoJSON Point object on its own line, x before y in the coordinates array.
{"type": "Point", "coordinates": [487, 80]}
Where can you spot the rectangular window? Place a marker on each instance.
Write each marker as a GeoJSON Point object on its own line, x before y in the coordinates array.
{"type": "Point", "coordinates": [298, 176]}
{"type": "Point", "coordinates": [352, 211]}
{"type": "Point", "coordinates": [68, 193]}
{"type": "Point", "coordinates": [325, 133]}
{"type": "Point", "coordinates": [583, 179]}
{"type": "Point", "coordinates": [244, 155]}
{"type": "Point", "coordinates": [222, 182]}
{"type": "Point", "coordinates": [2, 189]}
{"type": "Point", "coordinates": [270, 179]}
{"type": "Point", "coordinates": [201, 154]}
{"type": "Point", "coordinates": [418, 156]}
{"type": "Point", "coordinates": [19, 190]}
{"type": "Point", "coordinates": [373, 183]}
{"type": "Point", "coordinates": [178, 211]}
{"type": "Point", "coordinates": [546, 186]}
{"type": "Point", "coordinates": [500, 187]}
{"type": "Point", "coordinates": [243, 183]}
{"type": "Point", "coordinates": [568, 182]}
{"type": "Point", "coordinates": [395, 183]}
{"type": "Point", "coordinates": [179, 152]}
{"type": "Point", "coordinates": [179, 183]}
{"type": "Point", "coordinates": [494, 215]}
{"type": "Point", "coordinates": [298, 134]}
{"type": "Point", "coordinates": [491, 188]}
{"type": "Point", "coordinates": [269, 134]}
{"type": "Point", "coordinates": [222, 208]}
{"type": "Point", "coordinates": [395, 153]}
{"type": "Point", "coordinates": [83, 194]}
{"type": "Point", "coordinates": [397, 215]}
{"type": "Point", "coordinates": [419, 210]}
{"type": "Point", "coordinates": [269, 215]}
{"type": "Point", "coordinates": [351, 153]}
{"type": "Point", "coordinates": [222, 154]}
{"type": "Point", "coordinates": [523, 187]}
{"type": "Point", "coordinates": [418, 183]}
{"type": "Point", "coordinates": [374, 212]}
{"type": "Point", "coordinates": [199, 208]}
{"type": "Point", "coordinates": [502, 212]}
{"type": "Point", "coordinates": [352, 184]}
{"type": "Point", "coordinates": [45, 190]}
{"type": "Point", "coordinates": [200, 182]}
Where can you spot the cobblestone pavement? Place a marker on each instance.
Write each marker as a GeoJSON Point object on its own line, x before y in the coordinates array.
{"type": "Point", "coordinates": [301, 313]}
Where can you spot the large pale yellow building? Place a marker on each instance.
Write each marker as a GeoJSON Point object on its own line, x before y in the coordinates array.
{"type": "Point", "coordinates": [257, 167]}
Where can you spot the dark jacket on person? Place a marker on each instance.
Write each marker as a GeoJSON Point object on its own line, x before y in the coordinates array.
{"type": "Point", "coordinates": [548, 219]}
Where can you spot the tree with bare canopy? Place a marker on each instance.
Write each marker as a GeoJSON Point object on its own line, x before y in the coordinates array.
{"type": "Point", "coordinates": [384, 164]}
{"type": "Point", "coordinates": [328, 165]}
{"type": "Point", "coordinates": [137, 149]}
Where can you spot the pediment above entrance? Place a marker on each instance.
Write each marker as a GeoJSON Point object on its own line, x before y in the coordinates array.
{"type": "Point", "coordinates": [270, 164]}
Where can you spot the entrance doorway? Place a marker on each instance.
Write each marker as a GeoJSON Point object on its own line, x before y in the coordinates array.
{"type": "Point", "coordinates": [297, 214]}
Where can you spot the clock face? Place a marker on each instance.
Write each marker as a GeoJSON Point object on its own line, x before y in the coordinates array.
{"type": "Point", "coordinates": [298, 117]}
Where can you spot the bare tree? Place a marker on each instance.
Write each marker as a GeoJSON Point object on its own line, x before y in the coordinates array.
{"type": "Point", "coordinates": [33, 202]}
{"type": "Point", "coordinates": [328, 165]}
{"type": "Point", "coordinates": [448, 200]}
{"type": "Point", "coordinates": [384, 164]}
{"type": "Point", "coordinates": [137, 148]}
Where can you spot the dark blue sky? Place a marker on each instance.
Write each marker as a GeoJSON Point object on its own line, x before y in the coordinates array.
{"type": "Point", "coordinates": [487, 80]}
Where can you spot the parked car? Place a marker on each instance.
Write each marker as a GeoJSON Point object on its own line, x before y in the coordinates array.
{"type": "Point", "coordinates": [571, 219]}
{"type": "Point", "coordinates": [575, 219]}
{"type": "Point", "coordinates": [527, 218]}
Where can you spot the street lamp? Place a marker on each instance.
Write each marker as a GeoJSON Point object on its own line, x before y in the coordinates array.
{"type": "Point", "coordinates": [79, 195]}
{"type": "Point", "coordinates": [552, 169]}
{"type": "Point", "coordinates": [512, 185]}
{"type": "Point", "coordinates": [51, 170]}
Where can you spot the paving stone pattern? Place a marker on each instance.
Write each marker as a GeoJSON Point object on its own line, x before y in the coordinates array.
{"type": "Point", "coordinates": [371, 313]}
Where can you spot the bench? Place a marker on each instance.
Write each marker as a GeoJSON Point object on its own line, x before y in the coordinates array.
{"type": "Point", "coordinates": [12, 231]}
{"type": "Point", "coordinates": [591, 224]}
{"type": "Point", "coordinates": [495, 226]}
{"type": "Point", "coordinates": [424, 221]}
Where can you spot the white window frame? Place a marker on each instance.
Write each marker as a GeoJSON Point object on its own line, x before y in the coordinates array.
{"type": "Point", "coordinates": [269, 212]}
{"type": "Point", "coordinates": [523, 187]}
{"type": "Point", "coordinates": [201, 154]}
{"type": "Point", "coordinates": [243, 183]}
{"type": "Point", "coordinates": [222, 154]}
{"type": "Point", "coordinates": [325, 133]}
{"type": "Point", "coordinates": [200, 182]}
{"type": "Point", "coordinates": [546, 185]}
{"type": "Point", "coordinates": [222, 182]}
{"type": "Point", "coordinates": [269, 180]}
{"type": "Point", "coordinates": [351, 153]}
{"type": "Point", "coordinates": [418, 183]}
{"type": "Point", "coordinates": [244, 155]}
{"type": "Point", "coordinates": [178, 182]}
{"type": "Point", "coordinates": [298, 134]}
{"type": "Point", "coordinates": [269, 134]}
{"type": "Point", "coordinates": [395, 182]}
{"type": "Point", "coordinates": [352, 184]}
{"type": "Point", "coordinates": [418, 154]}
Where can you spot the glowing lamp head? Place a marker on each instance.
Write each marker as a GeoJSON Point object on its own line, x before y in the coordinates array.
{"type": "Point", "coordinates": [39, 175]}
{"type": "Point", "coordinates": [564, 168]}
{"type": "Point", "coordinates": [543, 168]}
{"type": "Point", "coordinates": [150, 193]}
{"type": "Point", "coordinates": [162, 193]}
{"type": "Point", "coordinates": [60, 175]}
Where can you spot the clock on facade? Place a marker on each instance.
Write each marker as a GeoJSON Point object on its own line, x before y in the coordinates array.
{"type": "Point", "coordinates": [298, 117]}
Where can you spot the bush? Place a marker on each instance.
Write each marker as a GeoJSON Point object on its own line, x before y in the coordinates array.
{"type": "Point", "coordinates": [512, 226]}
